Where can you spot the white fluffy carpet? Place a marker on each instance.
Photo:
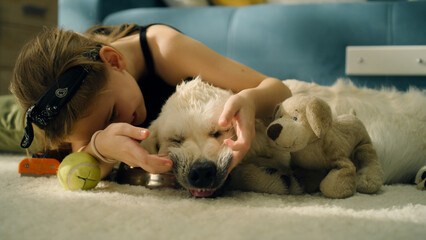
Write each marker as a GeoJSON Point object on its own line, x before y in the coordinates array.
{"type": "Point", "coordinates": [39, 208]}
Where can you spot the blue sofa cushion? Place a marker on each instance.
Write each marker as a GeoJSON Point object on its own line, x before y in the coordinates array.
{"type": "Point", "coordinates": [210, 25]}
{"type": "Point", "coordinates": [305, 42]}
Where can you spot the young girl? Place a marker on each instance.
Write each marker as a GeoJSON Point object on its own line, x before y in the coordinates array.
{"type": "Point", "coordinates": [97, 92]}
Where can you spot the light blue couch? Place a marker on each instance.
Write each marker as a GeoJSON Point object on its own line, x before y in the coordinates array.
{"type": "Point", "coordinates": [303, 41]}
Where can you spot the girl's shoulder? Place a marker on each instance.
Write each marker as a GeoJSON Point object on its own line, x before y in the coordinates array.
{"type": "Point", "coordinates": [161, 32]}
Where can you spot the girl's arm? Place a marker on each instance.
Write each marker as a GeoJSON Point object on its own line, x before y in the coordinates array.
{"type": "Point", "coordinates": [178, 57]}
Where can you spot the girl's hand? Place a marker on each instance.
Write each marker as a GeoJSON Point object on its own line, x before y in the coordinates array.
{"type": "Point", "coordinates": [119, 141]}
{"type": "Point", "coordinates": [240, 112]}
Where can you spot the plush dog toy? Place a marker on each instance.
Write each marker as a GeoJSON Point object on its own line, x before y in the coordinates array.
{"type": "Point", "coordinates": [304, 126]}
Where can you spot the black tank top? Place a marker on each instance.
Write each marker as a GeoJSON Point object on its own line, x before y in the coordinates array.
{"type": "Point", "coordinates": [154, 89]}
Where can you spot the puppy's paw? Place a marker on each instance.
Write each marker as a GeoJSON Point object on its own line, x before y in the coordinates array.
{"type": "Point", "coordinates": [250, 177]}
{"type": "Point", "coordinates": [421, 178]}
{"type": "Point", "coordinates": [288, 181]}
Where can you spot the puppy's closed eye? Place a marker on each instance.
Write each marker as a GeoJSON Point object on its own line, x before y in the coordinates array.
{"type": "Point", "coordinates": [177, 140]}
{"type": "Point", "coordinates": [218, 134]}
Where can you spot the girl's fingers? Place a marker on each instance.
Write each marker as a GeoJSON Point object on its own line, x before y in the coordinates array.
{"type": "Point", "coordinates": [155, 160]}
{"type": "Point", "coordinates": [243, 140]}
{"type": "Point", "coordinates": [229, 111]}
{"type": "Point", "coordinates": [239, 147]}
{"type": "Point", "coordinates": [150, 162]}
{"type": "Point", "coordinates": [136, 133]}
{"type": "Point", "coordinates": [158, 164]}
{"type": "Point", "coordinates": [131, 131]}
{"type": "Point", "coordinates": [235, 145]}
{"type": "Point", "coordinates": [236, 158]}
{"type": "Point", "coordinates": [225, 118]}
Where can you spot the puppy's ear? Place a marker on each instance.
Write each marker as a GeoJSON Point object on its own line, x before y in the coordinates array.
{"type": "Point", "coordinates": [151, 143]}
{"type": "Point", "coordinates": [318, 114]}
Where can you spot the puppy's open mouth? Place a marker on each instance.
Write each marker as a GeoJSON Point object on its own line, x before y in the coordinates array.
{"type": "Point", "coordinates": [202, 192]}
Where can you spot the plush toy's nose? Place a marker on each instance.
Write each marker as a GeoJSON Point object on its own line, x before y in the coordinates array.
{"type": "Point", "coordinates": [274, 131]}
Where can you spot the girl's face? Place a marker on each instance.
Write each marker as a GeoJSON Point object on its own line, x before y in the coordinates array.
{"type": "Point", "coordinates": [122, 101]}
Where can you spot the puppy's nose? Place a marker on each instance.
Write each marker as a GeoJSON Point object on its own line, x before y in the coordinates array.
{"type": "Point", "coordinates": [202, 174]}
{"type": "Point", "coordinates": [274, 131]}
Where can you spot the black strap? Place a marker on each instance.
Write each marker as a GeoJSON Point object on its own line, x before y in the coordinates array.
{"type": "Point", "coordinates": [154, 89]}
{"type": "Point", "coordinates": [149, 61]}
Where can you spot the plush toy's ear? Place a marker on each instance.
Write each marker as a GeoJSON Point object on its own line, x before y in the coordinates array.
{"type": "Point", "coordinates": [318, 114]}
{"type": "Point", "coordinates": [151, 143]}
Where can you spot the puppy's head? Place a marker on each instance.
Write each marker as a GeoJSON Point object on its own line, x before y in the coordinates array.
{"type": "Point", "coordinates": [187, 130]}
{"type": "Point", "coordinates": [298, 121]}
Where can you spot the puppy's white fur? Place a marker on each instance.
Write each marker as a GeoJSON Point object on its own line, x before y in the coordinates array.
{"type": "Point", "coordinates": [395, 120]}
{"type": "Point", "coordinates": [187, 130]}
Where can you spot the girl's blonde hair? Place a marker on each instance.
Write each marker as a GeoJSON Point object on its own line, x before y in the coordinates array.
{"type": "Point", "coordinates": [49, 55]}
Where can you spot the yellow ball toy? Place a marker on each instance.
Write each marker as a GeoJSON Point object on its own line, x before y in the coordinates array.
{"type": "Point", "coordinates": [79, 171]}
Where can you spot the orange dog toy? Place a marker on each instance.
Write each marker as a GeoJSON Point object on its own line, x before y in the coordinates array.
{"type": "Point", "coordinates": [38, 165]}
